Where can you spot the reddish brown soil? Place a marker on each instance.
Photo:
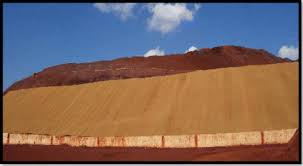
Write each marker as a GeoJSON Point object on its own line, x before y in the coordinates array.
{"type": "Point", "coordinates": [137, 67]}
{"type": "Point", "coordinates": [282, 152]}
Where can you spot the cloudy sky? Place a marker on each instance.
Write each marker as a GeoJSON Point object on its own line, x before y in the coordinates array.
{"type": "Point", "coordinates": [37, 36]}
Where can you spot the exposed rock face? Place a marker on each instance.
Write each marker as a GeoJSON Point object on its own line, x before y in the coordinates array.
{"type": "Point", "coordinates": [137, 67]}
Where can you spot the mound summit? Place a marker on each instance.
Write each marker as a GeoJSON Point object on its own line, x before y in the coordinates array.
{"type": "Point", "coordinates": [139, 67]}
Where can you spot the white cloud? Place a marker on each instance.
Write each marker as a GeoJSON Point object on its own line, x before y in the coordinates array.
{"type": "Point", "coordinates": [192, 48]}
{"type": "Point", "coordinates": [123, 10]}
{"type": "Point", "coordinates": [166, 17]}
{"type": "Point", "coordinates": [289, 52]}
{"type": "Point", "coordinates": [197, 6]}
{"type": "Point", "coordinates": [154, 52]}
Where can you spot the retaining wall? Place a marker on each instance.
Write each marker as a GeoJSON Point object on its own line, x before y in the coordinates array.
{"type": "Point", "coordinates": [278, 136]}
{"type": "Point", "coordinates": [5, 138]}
{"type": "Point", "coordinates": [75, 141]}
{"type": "Point", "coordinates": [144, 141]}
{"type": "Point", "coordinates": [180, 141]}
{"type": "Point", "coordinates": [29, 139]}
{"type": "Point", "coordinates": [169, 141]}
{"type": "Point", "coordinates": [230, 139]}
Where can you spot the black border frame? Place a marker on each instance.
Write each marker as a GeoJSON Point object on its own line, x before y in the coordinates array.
{"type": "Point", "coordinates": [172, 162]}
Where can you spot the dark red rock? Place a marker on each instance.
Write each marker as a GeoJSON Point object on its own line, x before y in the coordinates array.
{"type": "Point", "coordinates": [138, 67]}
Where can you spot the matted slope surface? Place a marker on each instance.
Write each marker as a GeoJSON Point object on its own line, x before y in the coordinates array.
{"type": "Point", "coordinates": [251, 98]}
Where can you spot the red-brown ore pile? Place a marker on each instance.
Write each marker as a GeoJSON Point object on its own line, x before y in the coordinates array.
{"type": "Point", "coordinates": [139, 67]}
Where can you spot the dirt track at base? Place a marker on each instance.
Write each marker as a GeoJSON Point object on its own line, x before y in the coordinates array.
{"type": "Point", "coordinates": [67, 153]}
{"type": "Point", "coordinates": [239, 99]}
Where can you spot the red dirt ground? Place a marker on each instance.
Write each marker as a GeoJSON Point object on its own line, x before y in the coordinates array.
{"type": "Point", "coordinates": [138, 67]}
{"type": "Point", "coordinates": [282, 152]}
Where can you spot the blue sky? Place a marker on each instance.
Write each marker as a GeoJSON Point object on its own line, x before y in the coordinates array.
{"type": "Point", "coordinates": [37, 36]}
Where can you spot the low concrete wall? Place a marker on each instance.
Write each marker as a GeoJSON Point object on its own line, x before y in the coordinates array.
{"type": "Point", "coordinates": [5, 138]}
{"type": "Point", "coordinates": [179, 141]}
{"type": "Point", "coordinates": [170, 141]}
{"type": "Point", "coordinates": [136, 141]}
{"type": "Point", "coordinates": [278, 136]}
{"type": "Point", "coordinates": [89, 141]}
{"type": "Point", "coordinates": [75, 141]}
{"type": "Point", "coordinates": [57, 140]}
{"type": "Point", "coordinates": [112, 142]}
{"type": "Point", "coordinates": [16, 138]}
{"type": "Point", "coordinates": [229, 139]}
{"type": "Point", "coordinates": [144, 141]}
{"type": "Point", "coordinates": [29, 139]}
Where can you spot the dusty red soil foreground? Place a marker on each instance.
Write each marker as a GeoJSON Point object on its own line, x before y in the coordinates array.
{"type": "Point", "coordinates": [139, 67]}
{"type": "Point", "coordinates": [282, 152]}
